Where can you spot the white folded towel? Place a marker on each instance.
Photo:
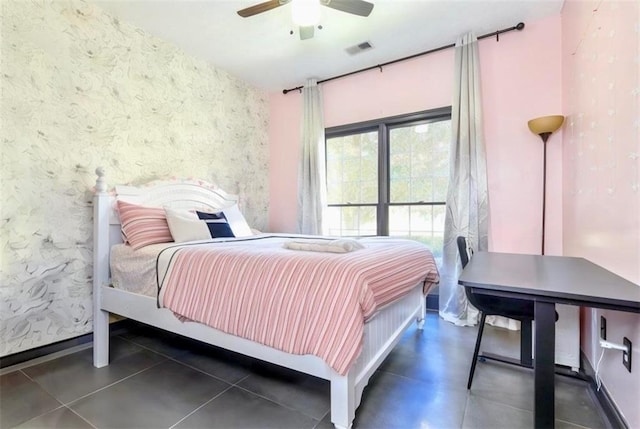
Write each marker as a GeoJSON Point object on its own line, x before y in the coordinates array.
{"type": "Point", "coordinates": [341, 245]}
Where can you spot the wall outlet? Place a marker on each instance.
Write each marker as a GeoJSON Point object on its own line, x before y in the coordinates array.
{"type": "Point", "coordinates": [626, 355]}
{"type": "Point", "coordinates": [603, 328]}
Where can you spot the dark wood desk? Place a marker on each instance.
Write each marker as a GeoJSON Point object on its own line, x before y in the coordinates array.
{"type": "Point", "coordinates": [548, 280]}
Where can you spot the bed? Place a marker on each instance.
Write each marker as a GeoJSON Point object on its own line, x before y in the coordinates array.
{"type": "Point", "coordinates": [348, 375]}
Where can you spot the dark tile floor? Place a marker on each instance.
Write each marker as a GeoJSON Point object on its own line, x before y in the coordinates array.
{"type": "Point", "coordinates": [157, 380]}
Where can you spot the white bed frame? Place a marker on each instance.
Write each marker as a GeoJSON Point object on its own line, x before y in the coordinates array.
{"type": "Point", "coordinates": [382, 332]}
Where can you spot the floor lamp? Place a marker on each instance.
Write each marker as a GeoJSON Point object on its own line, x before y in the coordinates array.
{"type": "Point", "coordinates": [544, 127]}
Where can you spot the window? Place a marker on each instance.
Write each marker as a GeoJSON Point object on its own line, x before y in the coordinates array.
{"type": "Point", "coordinates": [390, 177]}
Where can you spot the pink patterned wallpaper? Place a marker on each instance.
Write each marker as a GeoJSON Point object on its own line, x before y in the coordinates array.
{"type": "Point", "coordinates": [601, 136]}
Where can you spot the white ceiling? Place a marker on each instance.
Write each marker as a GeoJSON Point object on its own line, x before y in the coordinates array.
{"type": "Point", "coordinates": [260, 50]}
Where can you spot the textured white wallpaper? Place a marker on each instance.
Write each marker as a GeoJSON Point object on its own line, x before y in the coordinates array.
{"type": "Point", "coordinates": [80, 90]}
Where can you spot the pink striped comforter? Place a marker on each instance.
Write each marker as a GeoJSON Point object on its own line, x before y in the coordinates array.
{"type": "Point", "coordinates": [300, 302]}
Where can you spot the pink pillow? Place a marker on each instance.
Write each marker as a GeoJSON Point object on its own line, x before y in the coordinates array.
{"type": "Point", "coordinates": [142, 226]}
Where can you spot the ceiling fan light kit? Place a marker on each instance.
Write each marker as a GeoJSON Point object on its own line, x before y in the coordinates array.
{"type": "Point", "coordinates": [306, 13]}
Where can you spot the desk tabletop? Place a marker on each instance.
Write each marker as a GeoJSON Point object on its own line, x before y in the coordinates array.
{"type": "Point", "coordinates": [563, 279]}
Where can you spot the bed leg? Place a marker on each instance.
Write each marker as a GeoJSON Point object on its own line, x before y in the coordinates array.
{"type": "Point", "coordinates": [100, 338]}
{"type": "Point", "coordinates": [343, 400]}
{"type": "Point", "coordinates": [101, 215]}
{"type": "Point", "coordinates": [423, 314]}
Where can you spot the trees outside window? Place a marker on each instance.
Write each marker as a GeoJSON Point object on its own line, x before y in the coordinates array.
{"type": "Point", "coordinates": [390, 177]}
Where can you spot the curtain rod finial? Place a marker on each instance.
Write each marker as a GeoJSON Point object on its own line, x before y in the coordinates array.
{"type": "Point", "coordinates": [520, 26]}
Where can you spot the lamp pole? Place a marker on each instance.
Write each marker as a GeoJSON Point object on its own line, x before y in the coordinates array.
{"type": "Point", "coordinates": [544, 127]}
{"type": "Point", "coordinates": [544, 137]}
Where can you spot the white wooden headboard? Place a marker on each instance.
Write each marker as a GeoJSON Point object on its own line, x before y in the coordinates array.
{"type": "Point", "coordinates": [178, 193]}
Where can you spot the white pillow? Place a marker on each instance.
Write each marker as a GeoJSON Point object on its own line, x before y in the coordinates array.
{"type": "Point", "coordinates": [237, 222]}
{"type": "Point", "coordinates": [186, 226]}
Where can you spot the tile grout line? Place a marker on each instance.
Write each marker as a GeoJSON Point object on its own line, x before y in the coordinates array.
{"type": "Point", "coordinates": [174, 359]}
{"type": "Point", "coordinates": [237, 385]}
{"type": "Point", "coordinates": [200, 407]}
{"type": "Point", "coordinates": [417, 380]}
{"type": "Point", "coordinates": [464, 410]}
{"type": "Point", "coordinates": [277, 403]}
{"type": "Point", "coordinates": [328, 413]}
{"type": "Point", "coordinates": [73, 350]}
{"type": "Point", "coordinates": [482, 398]}
{"type": "Point", "coordinates": [88, 422]}
{"type": "Point", "coordinates": [142, 346]}
{"type": "Point", "coordinates": [60, 406]}
{"type": "Point", "coordinates": [68, 404]}
{"type": "Point", "coordinates": [39, 415]}
{"type": "Point", "coordinates": [231, 384]}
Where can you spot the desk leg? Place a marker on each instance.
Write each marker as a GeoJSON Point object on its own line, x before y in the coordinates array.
{"type": "Point", "coordinates": [544, 368]}
{"type": "Point", "coordinates": [526, 357]}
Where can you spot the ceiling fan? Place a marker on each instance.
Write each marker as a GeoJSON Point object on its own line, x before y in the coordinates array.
{"type": "Point", "coordinates": [306, 12]}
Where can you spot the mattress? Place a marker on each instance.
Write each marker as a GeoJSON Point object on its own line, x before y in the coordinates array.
{"type": "Point", "coordinates": [135, 270]}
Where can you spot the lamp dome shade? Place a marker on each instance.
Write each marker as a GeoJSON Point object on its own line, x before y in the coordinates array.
{"type": "Point", "coordinates": [546, 124]}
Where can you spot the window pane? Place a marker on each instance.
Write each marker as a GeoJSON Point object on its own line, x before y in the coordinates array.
{"type": "Point", "coordinates": [370, 191]}
{"type": "Point", "coordinates": [351, 221]}
{"type": "Point", "coordinates": [421, 223]}
{"type": "Point", "coordinates": [400, 166]}
{"type": "Point", "coordinates": [421, 190]}
{"type": "Point", "coordinates": [419, 162]}
{"type": "Point", "coordinates": [440, 188]}
{"type": "Point", "coordinates": [399, 219]}
{"type": "Point", "coordinates": [352, 169]}
{"type": "Point", "coordinates": [416, 160]}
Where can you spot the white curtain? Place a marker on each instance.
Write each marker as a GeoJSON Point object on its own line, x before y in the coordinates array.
{"type": "Point", "coordinates": [467, 198]}
{"type": "Point", "coordinates": [311, 182]}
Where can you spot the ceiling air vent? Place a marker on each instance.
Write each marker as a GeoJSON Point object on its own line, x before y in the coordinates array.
{"type": "Point", "coordinates": [360, 47]}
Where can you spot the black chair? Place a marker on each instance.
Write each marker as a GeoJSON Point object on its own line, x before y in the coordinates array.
{"type": "Point", "coordinates": [489, 305]}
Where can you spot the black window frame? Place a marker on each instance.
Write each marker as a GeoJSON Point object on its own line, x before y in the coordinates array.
{"type": "Point", "coordinates": [383, 126]}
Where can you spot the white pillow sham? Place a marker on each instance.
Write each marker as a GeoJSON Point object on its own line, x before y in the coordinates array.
{"type": "Point", "coordinates": [237, 222]}
{"type": "Point", "coordinates": [186, 226]}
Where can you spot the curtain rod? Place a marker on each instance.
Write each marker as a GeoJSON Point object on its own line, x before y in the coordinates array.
{"type": "Point", "coordinates": [518, 27]}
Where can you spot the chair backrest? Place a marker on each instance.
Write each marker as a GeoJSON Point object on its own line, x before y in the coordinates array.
{"type": "Point", "coordinates": [490, 305]}
{"type": "Point", "coordinates": [463, 251]}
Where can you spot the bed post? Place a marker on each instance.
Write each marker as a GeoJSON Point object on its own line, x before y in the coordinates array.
{"type": "Point", "coordinates": [343, 400]}
{"type": "Point", "coordinates": [101, 213]}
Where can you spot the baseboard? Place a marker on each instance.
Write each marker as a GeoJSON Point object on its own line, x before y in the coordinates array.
{"type": "Point", "coordinates": [616, 420]}
{"type": "Point", "coordinates": [27, 355]}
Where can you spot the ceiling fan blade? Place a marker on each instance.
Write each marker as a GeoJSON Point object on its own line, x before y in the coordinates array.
{"type": "Point", "coordinates": [355, 7]}
{"type": "Point", "coordinates": [261, 7]}
{"type": "Point", "coordinates": [306, 32]}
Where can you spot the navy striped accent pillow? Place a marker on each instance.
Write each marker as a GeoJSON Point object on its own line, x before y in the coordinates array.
{"type": "Point", "coordinates": [217, 224]}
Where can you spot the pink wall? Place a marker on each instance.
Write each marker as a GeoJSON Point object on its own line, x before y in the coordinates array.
{"type": "Point", "coordinates": [407, 87]}
{"type": "Point", "coordinates": [601, 203]}
{"type": "Point", "coordinates": [580, 64]}
{"type": "Point", "coordinates": [520, 80]}
{"type": "Point", "coordinates": [284, 152]}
